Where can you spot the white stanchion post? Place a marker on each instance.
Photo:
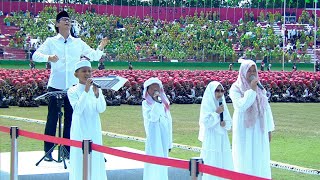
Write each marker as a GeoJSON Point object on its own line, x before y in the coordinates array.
{"type": "Point", "coordinates": [87, 152]}
{"type": "Point", "coordinates": [194, 168]}
{"type": "Point", "coordinates": [14, 153]}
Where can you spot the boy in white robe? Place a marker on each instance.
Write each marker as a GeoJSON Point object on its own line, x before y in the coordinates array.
{"type": "Point", "coordinates": [252, 123]}
{"type": "Point", "coordinates": [216, 150]}
{"type": "Point", "coordinates": [158, 127]}
{"type": "Point", "coordinates": [87, 102]}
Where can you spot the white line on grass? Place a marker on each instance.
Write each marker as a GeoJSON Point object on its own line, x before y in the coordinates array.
{"type": "Point", "coordinates": [179, 146]}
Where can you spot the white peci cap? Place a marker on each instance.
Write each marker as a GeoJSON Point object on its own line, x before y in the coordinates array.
{"type": "Point", "coordinates": [82, 63]}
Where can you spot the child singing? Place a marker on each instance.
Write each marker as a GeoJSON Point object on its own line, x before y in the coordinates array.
{"type": "Point", "coordinates": [87, 102]}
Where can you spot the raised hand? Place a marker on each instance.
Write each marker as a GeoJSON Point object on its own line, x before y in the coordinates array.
{"type": "Point", "coordinates": [220, 109]}
{"type": "Point", "coordinates": [254, 84]}
{"type": "Point", "coordinates": [96, 91]}
{"type": "Point", "coordinates": [103, 43]}
{"type": "Point", "coordinates": [53, 58]}
{"type": "Point", "coordinates": [88, 84]}
{"type": "Point", "coordinates": [222, 123]}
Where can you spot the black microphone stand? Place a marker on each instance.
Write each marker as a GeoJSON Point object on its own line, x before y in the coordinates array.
{"type": "Point", "coordinates": [62, 151]}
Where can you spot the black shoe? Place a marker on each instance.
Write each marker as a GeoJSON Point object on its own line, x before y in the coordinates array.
{"type": "Point", "coordinates": [48, 157]}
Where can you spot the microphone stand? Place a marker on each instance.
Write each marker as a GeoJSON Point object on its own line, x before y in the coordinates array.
{"type": "Point", "coordinates": [62, 151]}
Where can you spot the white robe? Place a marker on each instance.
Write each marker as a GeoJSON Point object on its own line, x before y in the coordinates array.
{"type": "Point", "coordinates": [250, 146]}
{"type": "Point", "coordinates": [158, 128]}
{"type": "Point", "coordinates": [216, 150]}
{"type": "Point", "coordinates": [86, 125]}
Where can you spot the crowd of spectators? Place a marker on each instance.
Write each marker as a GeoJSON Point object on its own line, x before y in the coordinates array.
{"type": "Point", "coordinates": [23, 93]}
{"type": "Point", "coordinates": [201, 37]}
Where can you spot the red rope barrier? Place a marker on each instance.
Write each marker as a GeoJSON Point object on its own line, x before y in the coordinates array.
{"type": "Point", "coordinates": [227, 173]}
{"type": "Point", "coordinates": [4, 129]}
{"type": "Point", "coordinates": [183, 164]}
{"type": "Point", "coordinates": [52, 139]}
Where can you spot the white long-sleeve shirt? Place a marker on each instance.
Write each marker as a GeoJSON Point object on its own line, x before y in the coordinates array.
{"type": "Point", "coordinates": [69, 51]}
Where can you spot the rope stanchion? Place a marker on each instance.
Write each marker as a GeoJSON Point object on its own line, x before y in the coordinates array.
{"type": "Point", "coordinates": [274, 164]}
{"type": "Point", "coordinates": [14, 133]}
{"type": "Point", "coordinates": [194, 167]}
{"type": "Point", "coordinates": [183, 164]}
{"type": "Point", "coordinates": [110, 134]}
{"type": "Point", "coordinates": [87, 153]}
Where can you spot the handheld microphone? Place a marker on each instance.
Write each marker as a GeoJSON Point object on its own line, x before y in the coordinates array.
{"type": "Point", "coordinates": [221, 114]}
{"type": "Point", "coordinates": [156, 97]}
{"type": "Point", "coordinates": [258, 84]}
{"type": "Point", "coordinates": [96, 84]}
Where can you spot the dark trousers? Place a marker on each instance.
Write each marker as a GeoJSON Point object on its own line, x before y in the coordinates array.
{"type": "Point", "coordinates": [52, 119]}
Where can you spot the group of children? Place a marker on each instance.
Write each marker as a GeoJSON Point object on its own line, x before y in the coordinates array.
{"type": "Point", "coordinates": [252, 126]}
{"type": "Point", "coordinates": [252, 122]}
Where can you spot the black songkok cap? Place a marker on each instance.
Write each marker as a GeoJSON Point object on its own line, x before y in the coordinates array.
{"type": "Point", "coordinates": [62, 14]}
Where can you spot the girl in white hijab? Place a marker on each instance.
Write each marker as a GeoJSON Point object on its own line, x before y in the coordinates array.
{"type": "Point", "coordinates": [252, 123]}
{"type": "Point", "coordinates": [216, 150]}
{"type": "Point", "coordinates": [158, 127]}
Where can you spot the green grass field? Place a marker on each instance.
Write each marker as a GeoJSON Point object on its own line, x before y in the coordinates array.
{"type": "Point", "coordinates": [295, 141]}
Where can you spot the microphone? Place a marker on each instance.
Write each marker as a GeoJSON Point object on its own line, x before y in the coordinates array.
{"type": "Point", "coordinates": [156, 97]}
{"type": "Point", "coordinates": [221, 114]}
{"type": "Point", "coordinates": [159, 99]}
{"type": "Point", "coordinates": [96, 84]}
{"type": "Point", "coordinates": [258, 84]}
{"type": "Point", "coordinates": [65, 41]}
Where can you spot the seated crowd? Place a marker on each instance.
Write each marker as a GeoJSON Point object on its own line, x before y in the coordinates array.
{"type": "Point", "coordinates": [191, 38]}
{"type": "Point", "coordinates": [182, 92]}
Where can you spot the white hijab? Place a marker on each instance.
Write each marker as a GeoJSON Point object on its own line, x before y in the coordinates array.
{"type": "Point", "coordinates": [149, 99]}
{"type": "Point", "coordinates": [209, 105]}
{"type": "Point", "coordinates": [259, 106]}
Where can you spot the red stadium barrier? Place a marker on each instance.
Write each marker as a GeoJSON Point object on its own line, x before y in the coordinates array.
{"type": "Point", "coordinates": [183, 164]}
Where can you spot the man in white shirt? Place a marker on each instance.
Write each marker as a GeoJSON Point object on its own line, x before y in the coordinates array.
{"type": "Point", "coordinates": [63, 51]}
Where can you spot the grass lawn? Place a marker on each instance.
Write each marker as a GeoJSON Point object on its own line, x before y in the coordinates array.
{"type": "Point", "coordinates": [296, 139]}
{"type": "Point", "coordinates": [161, 66]}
